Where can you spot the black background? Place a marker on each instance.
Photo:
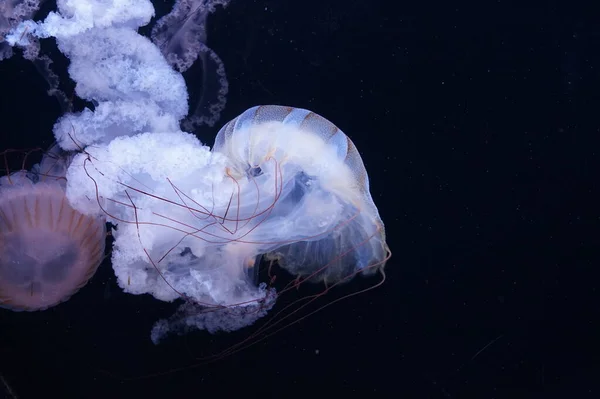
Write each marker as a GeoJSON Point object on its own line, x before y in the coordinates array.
{"type": "Point", "coordinates": [478, 126]}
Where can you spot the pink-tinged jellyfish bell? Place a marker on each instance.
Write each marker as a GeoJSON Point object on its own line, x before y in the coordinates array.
{"type": "Point", "coordinates": [48, 250]}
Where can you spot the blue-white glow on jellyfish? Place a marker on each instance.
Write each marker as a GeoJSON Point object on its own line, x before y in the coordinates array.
{"type": "Point", "coordinates": [281, 183]}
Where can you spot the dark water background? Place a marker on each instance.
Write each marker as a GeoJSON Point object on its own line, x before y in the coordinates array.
{"type": "Point", "coordinates": [479, 127]}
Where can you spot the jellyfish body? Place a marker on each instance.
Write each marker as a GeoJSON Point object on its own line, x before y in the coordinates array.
{"type": "Point", "coordinates": [48, 251]}
{"type": "Point", "coordinates": [325, 216]}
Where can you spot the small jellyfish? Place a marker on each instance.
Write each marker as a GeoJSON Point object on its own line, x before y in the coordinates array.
{"type": "Point", "coordinates": [48, 250]}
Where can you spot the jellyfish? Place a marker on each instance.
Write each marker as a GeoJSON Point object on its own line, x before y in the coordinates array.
{"type": "Point", "coordinates": [324, 213]}
{"type": "Point", "coordinates": [48, 250]}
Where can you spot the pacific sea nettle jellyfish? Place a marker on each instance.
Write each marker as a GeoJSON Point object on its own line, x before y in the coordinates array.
{"type": "Point", "coordinates": [48, 250]}
{"type": "Point", "coordinates": [324, 224]}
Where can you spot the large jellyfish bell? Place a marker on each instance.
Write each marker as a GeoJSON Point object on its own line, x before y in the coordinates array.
{"type": "Point", "coordinates": [323, 222]}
